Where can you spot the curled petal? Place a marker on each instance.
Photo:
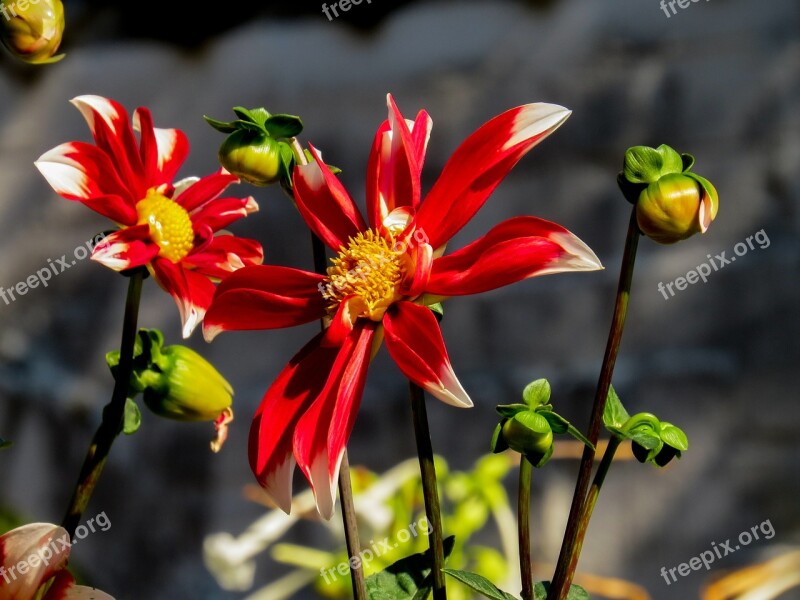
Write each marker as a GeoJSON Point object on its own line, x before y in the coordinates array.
{"type": "Point", "coordinates": [126, 249]}
{"type": "Point", "coordinates": [225, 254]}
{"type": "Point", "coordinates": [514, 250]}
{"type": "Point", "coordinates": [414, 341]}
{"type": "Point", "coordinates": [480, 164]}
{"type": "Point", "coordinates": [224, 211]}
{"type": "Point", "coordinates": [265, 297]}
{"type": "Point", "coordinates": [324, 203]}
{"type": "Point", "coordinates": [203, 191]}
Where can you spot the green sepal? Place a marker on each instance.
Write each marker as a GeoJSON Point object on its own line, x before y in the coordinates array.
{"type": "Point", "coordinates": [674, 436]}
{"type": "Point", "coordinates": [480, 584]}
{"type": "Point", "coordinates": [614, 414]}
{"type": "Point", "coordinates": [540, 460]}
{"type": "Point", "coordinates": [222, 126]}
{"type": "Point", "coordinates": [438, 310]}
{"type": "Point", "coordinates": [283, 126]}
{"type": "Point", "coordinates": [576, 592]}
{"type": "Point", "coordinates": [646, 439]}
{"type": "Point", "coordinates": [310, 159]}
{"type": "Point", "coordinates": [647, 165]}
{"type": "Point", "coordinates": [498, 441]}
{"type": "Point", "coordinates": [509, 410]}
{"type": "Point", "coordinates": [253, 115]}
{"type": "Point", "coordinates": [533, 420]}
{"type": "Point", "coordinates": [407, 579]}
{"type": "Point", "coordinates": [631, 191]}
{"type": "Point", "coordinates": [560, 425]}
{"type": "Point", "coordinates": [133, 418]}
{"type": "Point", "coordinates": [688, 162]}
{"type": "Point", "coordinates": [536, 393]}
{"type": "Point", "coordinates": [709, 189]}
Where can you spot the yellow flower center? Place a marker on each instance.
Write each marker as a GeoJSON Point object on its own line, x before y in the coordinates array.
{"type": "Point", "coordinates": [369, 269]}
{"type": "Point", "coordinates": [170, 225]}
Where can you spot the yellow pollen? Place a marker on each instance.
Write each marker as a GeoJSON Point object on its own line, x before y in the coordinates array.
{"type": "Point", "coordinates": [170, 225]}
{"type": "Point", "coordinates": [369, 269]}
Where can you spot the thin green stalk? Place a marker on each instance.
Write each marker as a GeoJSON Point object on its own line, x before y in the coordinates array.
{"type": "Point", "coordinates": [113, 414]}
{"type": "Point", "coordinates": [568, 557]}
{"type": "Point", "coordinates": [430, 490]}
{"type": "Point", "coordinates": [523, 518]}
{"type": "Point", "coordinates": [349, 520]}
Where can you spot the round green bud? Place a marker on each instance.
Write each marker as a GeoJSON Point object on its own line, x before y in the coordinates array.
{"type": "Point", "coordinates": [252, 156]}
{"type": "Point", "coordinates": [528, 433]}
{"type": "Point", "coordinates": [676, 207]}
{"type": "Point", "coordinates": [32, 31]}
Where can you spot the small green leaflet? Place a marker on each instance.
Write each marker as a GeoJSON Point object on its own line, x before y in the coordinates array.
{"type": "Point", "coordinates": [407, 579]}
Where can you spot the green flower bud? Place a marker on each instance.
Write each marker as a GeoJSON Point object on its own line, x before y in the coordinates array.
{"type": "Point", "coordinates": [251, 156]}
{"type": "Point", "coordinates": [672, 203]}
{"type": "Point", "coordinates": [32, 31]}
{"type": "Point", "coordinates": [528, 432]}
{"type": "Point", "coordinates": [654, 441]}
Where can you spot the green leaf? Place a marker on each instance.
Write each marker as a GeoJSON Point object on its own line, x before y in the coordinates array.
{"type": "Point", "coordinates": [133, 418]}
{"type": "Point", "coordinates": [536, 393]}
{"type": "Point", "coordinates": [614, 414]}
{"type": "Point", "coordinates": [674, 436]}
{"type": "Point", "coordinates": [407, 579]}
{"type": "Point", "coordinates": [223, 126]}
{"type": "Point", "coordinates": [498, 441]}
{"type": "Point", "coordinates": [672, 161]}
{"type": "Point", "coordinates": [509, 410]}
{"type": "Point", "coordinates": [560, 425]}
{"type": "Point", "coordinates": [254, 115]}
{"type": "Point", "coordinates": [480, 584]}
{"type": "Point", "coordinates": [576, 592]}
{"type": "Point", "coordinates": [254, 127]}
{"type": "Point", "coordinates": [284, 126]}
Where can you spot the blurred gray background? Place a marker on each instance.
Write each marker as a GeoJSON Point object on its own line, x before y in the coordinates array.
{"type": "Point", "coordinates": [720, 79]}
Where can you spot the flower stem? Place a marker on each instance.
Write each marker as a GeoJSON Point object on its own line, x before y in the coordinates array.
{"type": "Point", "coordinates": [113, 413]}
{"type": "Point", "coordinates": [523, 518]}
{"type": "Point", "coordinates": [429, 488]}
{"type": "Point", "coordinates": [568, 557]}
{"type": "Point", "coordinates": [349, 520]}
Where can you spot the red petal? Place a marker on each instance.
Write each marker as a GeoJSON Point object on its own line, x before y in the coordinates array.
{"type": "Point", "coordinates": [127, 248]}
{"type": "Point", "coordinates": [414, 341]}
{"type": "Point", "coordinates": [325, 204]}
{"type": "Point", "coordinates": [192, 291]}
{"type": "Point", "coordinates": [393, 174]}
{"type": "Point", "coordinates": [265, 297]}
{"type": "Point", "coordinates": [321, 435]}
{"type": "Point", "coordinates": [224, 255]}
{"type": "Point", "coordinates": [203, 191]}
{"type": "Point", "coordinates": [82, 172]}
{"type": "Point", "coordinates": [166, 150]}
{"type": "Point", "coordinates": [514, 250]}
{"type": "Point", "coordinates": [480, 164]}
{"type": "Point", "coordinates": [223, 212]}
{"type": "Point", "coordinates": [272, 430]}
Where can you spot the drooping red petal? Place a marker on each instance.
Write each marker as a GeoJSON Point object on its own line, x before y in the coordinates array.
{"type": "Point", "coordinates": [46, 541]}
{"type": "Point", "coordinates": [191, 291]}
{"type": "Point", "coordinates": [480, 164]}
{"type": "Point", "coordinates": [84, 173]}
{"type": "Point", "coordinates": [514, 250]}
{"type": "Point", "coordinates": [414, 341]}
{"type": "Point", "coordinates": [265, 297]}
{"type": "Point", "coordinates": [224, 255]}
{"type": "Point", "coordinates": [112, 132]}
{"type": "Point", "coordinates": [321, 434]}
{"type": "Point", "coordinates": [127, 248]}
{"type": "Point", "coordinates": [224, 211]}
{"type": "Point", "coordinates": [203, 191]}
{"type": "Point", "coordinates": [393, 174]}
{"type": "Point", "coordinates": [165, 151]}
{"type": "Point", "coordinates": [272, 430]}
{"type": "Point", "coordinates": [324, 204]}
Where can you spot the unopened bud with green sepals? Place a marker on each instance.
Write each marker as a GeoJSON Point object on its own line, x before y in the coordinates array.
{"type": "Point", "coordinates": [672, 203]}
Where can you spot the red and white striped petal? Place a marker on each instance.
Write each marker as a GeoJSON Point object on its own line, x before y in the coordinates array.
{"type": "Point", "coordinates": [225, 254]}
{"type": "Point", "coordinates": [264, 297]}
{"type": "Point", "coordinates": [204, 190]}
{"type": "Point", "coordinates": [324, 204]}
{"type": "Point", "coordinates": [480, 164]}
{"type": "Point", "coordinates": [414, 341]}
{"type": "Point", "coordinates": [191, 291]}
{"type": "Point", "coordinates": [321, 434]}
{"type": "Point", "coordinates": [271, 433]}
{"type": "Point", "coordinates": [224, 211]}
{"type": "Point", "coordinates": [126, 248]}
{"type": "Point", "coordinates": [514, 250]}
{"type": "Point", "coordinates": [393, 174]}
{"type": "Point", "coordinates": [84, 173]}
{"type": "Point", "coordinates": [64, 588]}
{"type": "Point", "coordinates": [168, 152]}
{"type": "Point", "coordinates": [43, 541]}
{"type": "Point", "coordinates": [112, 132]}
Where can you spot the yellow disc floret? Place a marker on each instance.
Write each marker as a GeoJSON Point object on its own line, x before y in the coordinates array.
{"type": "Point", "coordinates": [170, 225]}
{"type": "Point", "coordinates": [369, 269]}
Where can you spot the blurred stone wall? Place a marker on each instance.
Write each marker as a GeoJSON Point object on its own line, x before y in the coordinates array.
{"type": "Point", "coordinates": [720, 79]}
